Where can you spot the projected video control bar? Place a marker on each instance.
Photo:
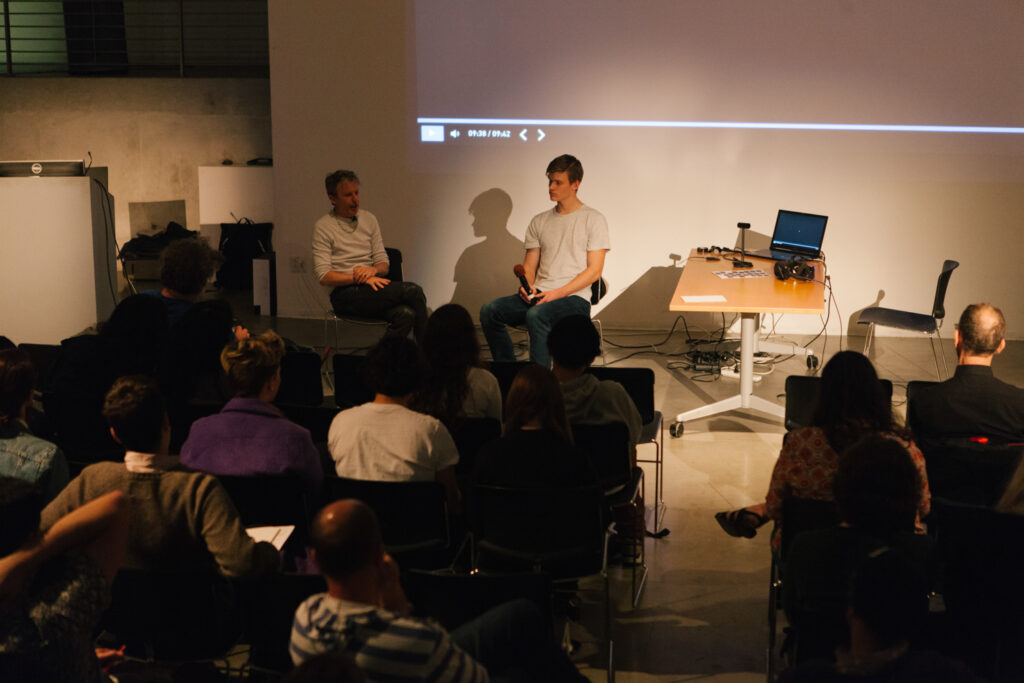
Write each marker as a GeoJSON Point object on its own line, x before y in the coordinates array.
{"type": "Point", "coordinates": [437, 129]}
{"type": "Point", "coordinates": [456, 133]}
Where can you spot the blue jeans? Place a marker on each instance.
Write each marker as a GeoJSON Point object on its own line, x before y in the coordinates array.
{"type": "Point", "coordinates": [539, 319]}
{"type": "Point", "coordinates": [513, 643]}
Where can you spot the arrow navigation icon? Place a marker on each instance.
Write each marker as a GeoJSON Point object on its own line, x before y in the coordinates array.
{"type": "Point", "coordinates": [522, 135]}
{"type": "Point", "coordinates": [540, 135]}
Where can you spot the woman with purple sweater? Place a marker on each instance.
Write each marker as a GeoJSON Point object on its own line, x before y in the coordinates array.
{"type": "Point", "coordinates": [250, 435]}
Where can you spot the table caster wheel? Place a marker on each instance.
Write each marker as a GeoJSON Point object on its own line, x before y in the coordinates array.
{"type": "Point", "coordinates": [676, 430]}
{"type": "Point", "coordinates": [812, 362]}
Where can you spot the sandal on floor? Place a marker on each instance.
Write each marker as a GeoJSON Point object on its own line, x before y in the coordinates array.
{"type": "Point", "coordinates": [741, 523]}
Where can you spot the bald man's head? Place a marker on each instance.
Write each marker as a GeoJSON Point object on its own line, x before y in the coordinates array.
{"type": "Point", "coordinates": [346, 537]}
{"type": "Point", "coordinates": [981, 329]}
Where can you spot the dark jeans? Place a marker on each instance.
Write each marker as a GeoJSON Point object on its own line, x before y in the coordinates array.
{"type": "Point", "coordinates": [401, 304]}
{"type": "Point", "coordinates": [539, 319]}
{"type": "Point", "coordinates": [512, 642]}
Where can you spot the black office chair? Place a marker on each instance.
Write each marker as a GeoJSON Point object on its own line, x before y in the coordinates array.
{"type": "Point", "coordinates": [394, 274]}
{"type": "Point", "coordinates": [639, 384]}
{"type": "Point", "coordinates": [623, 485]}
{"type": "Point", "coordinates": [802, 396]}
{"type": "Point", "coordinates": [963, 472]}
{"type": "Point", "coordinates": [470, 434]}
{"type": "Point", "coordinates": [982, 552]}
{"type": "Point", "coordinates": [564, 535]}
{"type": "Point", "coordinates": [351, 386]}
{"type": "Point", "coordinates": [505, 373]}
{"type": "Point", "coordinates": [798, 515]}
{"type": "Point", "coordinates": [413, 517]}
{"type": "Point", "coordinates": [453, 599]}
{"type": "Point", "coordinates": [272, 500]}
{"type": "Point", "coordinates": [916, 322]}
{"type": "Point", "coordinates": [174, 616]}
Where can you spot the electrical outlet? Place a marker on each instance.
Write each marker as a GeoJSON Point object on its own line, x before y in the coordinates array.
{"type": "Point", "coordinates": [298, 264]}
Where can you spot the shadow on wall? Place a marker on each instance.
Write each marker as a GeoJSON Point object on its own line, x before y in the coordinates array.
{"type": "Point", "coordinates": [644, 305]}
{"type": "Point", "coordinates": [855, 333]}
{"type": "Point", "coordinates": [484, 270]}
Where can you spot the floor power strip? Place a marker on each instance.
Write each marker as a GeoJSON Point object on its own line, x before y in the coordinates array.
{"type": "Point", "coordinates": [735, 374]}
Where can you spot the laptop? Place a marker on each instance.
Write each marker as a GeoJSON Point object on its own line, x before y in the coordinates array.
{"type": "Point", "coordinates": [796, 234]}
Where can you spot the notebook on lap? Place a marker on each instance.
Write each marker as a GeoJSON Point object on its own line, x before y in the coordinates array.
{"type": "Point", "coordinates": [796, 234]}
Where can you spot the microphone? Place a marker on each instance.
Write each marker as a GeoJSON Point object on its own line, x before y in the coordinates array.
{"type": "Point", "coordinates": [520, 273]}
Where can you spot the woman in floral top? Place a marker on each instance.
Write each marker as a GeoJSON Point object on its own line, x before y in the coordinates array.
{"type": "Point", "coordinates": [852, 404]}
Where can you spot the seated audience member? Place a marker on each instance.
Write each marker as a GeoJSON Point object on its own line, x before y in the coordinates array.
{"type": "Point", "coordinates": [454, 384]}
{"type": "Point", "coordinates": [973, 402]}
{"type": "Point", "coordinates": [887, 607]}
{"type": "Point", "coordinates": [54, 587]}
{"type": "Point", "coordinates": [23, 455]}
{"type": "Point", "coordinates": [536, 447]}
{"type": "Point", "coordinates": [851, 405]}
{"type": "Point", "coordinates": [877, 490]}
{"type": "Point", "coordinates": [365, 613]}
{"type": "Point", "coordinates": [386, 441]}
{"type": "Point", "coordinates": [250, 435]}
{"type": "Point", "coordinates": [574, 344]}
{"type": "Point", "coordinates": [181, 520]}
{"type": "Point", "coordinates": [186, 266]}
{"type": "Point", "coordinates": [130, 342]}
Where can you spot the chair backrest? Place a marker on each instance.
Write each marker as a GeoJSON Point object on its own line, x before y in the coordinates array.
{"type": "Point", "coordinates": [804, 514]}
{"type": "Point", "coordinates": [270, 608]}
{"type": "Point", "coordinates": [938, 306]}
{"type": "Point", "coordinates": [173, 615]}
{"type": "Point", "coordinates": [301, 383]}
{"type": "Point", "coordinates": [982, 552]}
{"type": "Point", "coordinates": [638, 383]}
{"type": "Point", "coordinates": [271, 500]}
{"type": "Point", "coordinates": [316, 418]}
{"type": "Point", "coordinates": [505, 373]}
{"type": "Point", "coordinates": [351, 387]}
{"type": "Point", "coordinates": [968, 473]}
{"type": "Point", "coordinates": [608, 447]}
{"type": "Point", "coordinates": [531, 529]}
{"type": "Point", "coordinates": [413, 515]}
{"type": "Point", "coordinates": [454, 599]}
{"type": "Point", "coordinates": [394, 264]}
{"type": "Point", "coordinates": [469, 435]}
{"type": "Point", "coordinates": [802, 396]}
{"type": "Point", "coordinates": [914, 386]}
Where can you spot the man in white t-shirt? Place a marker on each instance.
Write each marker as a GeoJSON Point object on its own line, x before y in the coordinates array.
{"type": "Point", "coordinates": [384, 440]}
{"type": "Point", "coordinates": [565, 250]}
{"type": "Point", "coordinates": [349, 257]}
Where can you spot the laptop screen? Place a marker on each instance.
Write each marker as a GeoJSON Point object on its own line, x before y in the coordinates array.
{"type": "Point", "coordinates": [798, 232]}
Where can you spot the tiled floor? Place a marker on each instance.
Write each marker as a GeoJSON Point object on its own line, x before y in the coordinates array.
{"type": "Point", "coordinates": [703, 613]}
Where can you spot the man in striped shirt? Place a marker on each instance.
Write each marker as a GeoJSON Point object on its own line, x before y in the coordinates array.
{"type": "Point", "coordinates": [365, 613]}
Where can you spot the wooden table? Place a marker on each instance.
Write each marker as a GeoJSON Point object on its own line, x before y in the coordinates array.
{"type": "Point", "coordinates": [750, 297]}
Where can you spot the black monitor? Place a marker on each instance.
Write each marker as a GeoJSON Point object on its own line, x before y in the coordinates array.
{"type": "Point", "coordinates": [25, 169]}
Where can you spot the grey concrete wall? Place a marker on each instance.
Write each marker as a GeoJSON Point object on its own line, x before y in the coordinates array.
{"type": "Point", "coordinates": [151, 133]}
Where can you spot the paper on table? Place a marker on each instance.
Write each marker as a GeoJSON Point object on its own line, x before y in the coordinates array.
{"type": "Point", "coordinates": [703, 299]}
{"type": "Point", "coordinates": [275, 535]}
